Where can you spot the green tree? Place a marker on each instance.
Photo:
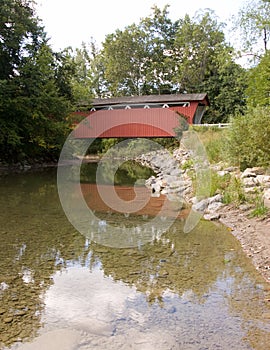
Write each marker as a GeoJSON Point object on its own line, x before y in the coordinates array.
{"type": "Point", "coordinates": [34, 96]}
{"type": "Point", "coordinates": [206, 64]}
{"type": "Point", "coordinates": [20, 32]}
{"type": "Point", "coordinates": [258, 91]}
{"type": "Point", "coordinates": [196, 44]}
{"type": "Point", "coordinates": [124, 55]}
{"type": "Point", "coordinates": [254, 23]}
{"type": "Point", "coordinates": [138, 59]}
{"type": "Point", "coordinates": [33, 113]}
{"type": "Point", "coordinates": [160, 44]}
{"type": "Point", "coordinates": [248, 138]}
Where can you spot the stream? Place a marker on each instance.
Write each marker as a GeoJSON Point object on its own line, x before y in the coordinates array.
{"type": "Point", "coordinates": [60, 289]}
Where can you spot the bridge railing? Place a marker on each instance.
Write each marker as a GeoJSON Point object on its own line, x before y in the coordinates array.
{"type": "Point", "coordinates": [219, 125]}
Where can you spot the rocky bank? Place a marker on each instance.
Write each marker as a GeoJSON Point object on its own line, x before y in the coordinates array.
{"type": "Point", "coordinates": [174, 178]}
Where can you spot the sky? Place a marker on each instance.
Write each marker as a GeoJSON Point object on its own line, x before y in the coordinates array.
{"type": "Point", "coordinates": [71, 22]}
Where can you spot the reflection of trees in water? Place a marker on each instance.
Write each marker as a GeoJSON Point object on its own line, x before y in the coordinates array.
{"type": "Point", "coordinates": [196, 264]}
{"type": "Point", "coordinates": [127, 173]}
{"type": "Point", "coordinates": [178, 262]}
{"type": "Point", "coordinates": [36, 240]}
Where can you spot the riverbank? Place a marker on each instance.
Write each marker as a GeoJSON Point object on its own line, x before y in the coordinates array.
{"type": "Point", "coordinates": [174, 178]}
{"type": "Point", "coordinates": [21, 168]}
{"type": "Point", "coordinates": [252, 233]}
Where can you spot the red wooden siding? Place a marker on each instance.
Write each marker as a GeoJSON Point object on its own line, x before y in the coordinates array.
{"type": "Point", "coordinates": [156, 122]}
{"type": "Point", "coordinates": [140, 116]}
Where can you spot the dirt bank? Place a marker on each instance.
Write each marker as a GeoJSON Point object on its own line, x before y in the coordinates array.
{"type": "Point", "coordinates": [253, 234]}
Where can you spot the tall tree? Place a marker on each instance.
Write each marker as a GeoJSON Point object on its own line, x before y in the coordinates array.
{"type": "Point", "coordinates": [196, 44]}
{"type": "Point", "coordinates": [161, 32]}
{"type": "Point", "coordinates": [206, 64]}
{"type": "Point", "coordinates": [88, 79]}
{"type": "Point", "coordinates": [258, 91]}
{"type": "Point", "coordinates": [137, 60]}
{"type": "Point", "coordinates": [253, 21]}
{"type": "Point", "coordinates": [124, 55]}
{"type": "Point", "coordinates": [20, 31]}
{"type": "Point", "coordinates": [33, 98]}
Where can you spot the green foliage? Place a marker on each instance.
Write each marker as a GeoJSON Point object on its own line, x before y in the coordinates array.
{"type": "Point", "coordinates": [254, 23]}
{"type": "Point", "coordinates": [34, 96]}
{"type": "Point", "coordinates": [214, 141]}
{"type": "Point", "coordinates": [258, 91]}
{"type": "Point", "coordinates": [189, 55]}
{"type": "Point", "coordinates": [20, 33]}
{"type": "Point", "coordinates": [234, 192]}
{"type": "Point", "coordinates": [260, 209]}
{"type": "Point", "coordinates": [219, 183]}
{"type": "Point", "coordinates": [249, 138]}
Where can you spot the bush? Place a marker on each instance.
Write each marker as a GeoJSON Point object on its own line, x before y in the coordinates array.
{"type": "Point", "coordinates": [214, 141]}
{"type": "Point", "coordinates": [249, 138]}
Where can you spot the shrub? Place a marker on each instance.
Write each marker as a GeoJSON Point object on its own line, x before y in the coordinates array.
{"type": "Point", "coordinates": [213, 139]}
{"type": "Point", "coordinates": [248, 139]}
{"type": "Point", "coordinates": [234, 192]}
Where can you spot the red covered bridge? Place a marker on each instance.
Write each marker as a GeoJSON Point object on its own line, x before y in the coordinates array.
{"type": "Point", "coordinates": [140, 116]}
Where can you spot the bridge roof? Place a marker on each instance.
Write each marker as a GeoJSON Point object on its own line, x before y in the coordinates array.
{"type": "Point", "coordinates": [144, 99]}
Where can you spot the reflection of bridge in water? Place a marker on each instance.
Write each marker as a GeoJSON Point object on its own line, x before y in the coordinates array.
{"type": "Point", "coordinates": [127, 195]}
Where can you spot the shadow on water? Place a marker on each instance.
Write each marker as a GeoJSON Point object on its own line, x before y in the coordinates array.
{"type": "Point", "coordinates": [198, 290]}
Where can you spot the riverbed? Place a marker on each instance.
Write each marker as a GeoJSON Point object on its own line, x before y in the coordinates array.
{"type": "Point", "coordinates": [62, 290]}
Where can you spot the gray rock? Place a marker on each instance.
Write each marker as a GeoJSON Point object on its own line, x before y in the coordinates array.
{"type": "Point", "coordinates": [266, 194]}
{"type": "Point", "coordinates": [231, 169]}
{"type": "Point", "coordinates": [156, 188]}
{"type": "Point", "coordinates": [176, 172]}
{"type": "Point", "coordinates": [212, 216]}
{"type": "Point", "coordinates": [250, 181]}
{"type": "Point", "coordinates": [250, 190]}
{"type": "Point", "coordinates": [222, 173]}
{"type": "Point", "coordinates": [216, 198]}
{"type": "Point", "coordinates": [245, 207]}
{"type": "Point", "coordinates": [263, 179]}
{"type": "Point", "coordinates": [179, 184]}
{"type": "Point", "coordinates": [201, 206]}
{"type": "Point", "coordinates": [258, 170]}
{"type": "Point", "coordinates": [213, 207]}
{"type": "Point", "coordinates": [248, 173]}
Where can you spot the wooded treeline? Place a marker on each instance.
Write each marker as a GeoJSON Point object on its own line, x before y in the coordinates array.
{"type": "Point", "coordinates": [39, 88]}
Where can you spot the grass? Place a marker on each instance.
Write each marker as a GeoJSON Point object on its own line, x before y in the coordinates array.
{"type": "Point", "coordinates": [260, 210]}
{"type": "Point", "coordinates": [213, 140]}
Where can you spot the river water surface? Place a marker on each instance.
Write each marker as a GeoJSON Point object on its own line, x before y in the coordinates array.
{"type": "Point", "coordinates": [60, 290]}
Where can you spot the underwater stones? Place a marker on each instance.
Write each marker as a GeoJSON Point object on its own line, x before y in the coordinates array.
{"type": "Point", "coordinates": [8, 319]}
{"type": "Point", "coordinates": [2, 311]}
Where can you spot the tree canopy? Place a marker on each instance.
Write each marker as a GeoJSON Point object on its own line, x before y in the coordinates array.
{"type": "Point", "coordinates": [34, 97]}
{"type": "Point", "coordinates": [39, 87]}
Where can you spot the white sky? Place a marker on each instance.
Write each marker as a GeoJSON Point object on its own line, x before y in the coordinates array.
{"type": "Point", "coordinates": [71, 22]}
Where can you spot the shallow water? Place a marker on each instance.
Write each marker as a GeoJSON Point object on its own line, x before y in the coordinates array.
{"type": "Point", "coordinates": [60, 290]}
